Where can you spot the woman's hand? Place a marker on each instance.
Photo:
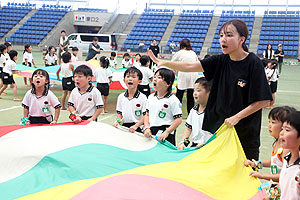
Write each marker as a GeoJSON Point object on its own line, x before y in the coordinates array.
{"type": "Point", "coordinates": [232, 121]}
{"type": "Point", "coordinates": [159, 62]}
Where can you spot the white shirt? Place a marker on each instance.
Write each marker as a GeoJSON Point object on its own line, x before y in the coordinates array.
{"type": "Point", "coordinates": [40, 106]}
{"type": "Point", "coordinates": [3, 60]}
{"type": "Point", "coordinates": [147, 74]}
{"type": "Point", "coordinates": [272, 74]}
{"type": "Point", "coordinates": [194, 122]}
{"type": "Point", "coordinates": [113, 62]}
{"type": "Point", "coordinates": [51, 59]}
{"type": "Point", "coordinates": [270, 54]}
{"type": "Point", "coordinates": [126, 63]}
{"type": "Point", "coordinates": [102, 75]}
{"type": "Point", "coordinates": [65, 70]}
{"type": "Point", "coordinates": [163, 111]}
{"type": "Point", "coordinates": [186, 80]}
{"type": "Point", "coordinates": [27, 56]}
{"type": "Point", "coordinates": [73, 58]}
{"type": "Point", "coordinates": [86, 104]}
{"type": "Point", "coordinates": [137, 64]}
{"type": "Point", "coordinates": [132, 110]}
{"type": "Point", "coordinates": [10, 66]}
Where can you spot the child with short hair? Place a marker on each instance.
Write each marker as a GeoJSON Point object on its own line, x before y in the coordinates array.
{"type": "Point", "coordinates": [272, 77]}
{"type": "Point", "coordinates": [8, 71]}
{"type": "Point", "coordinates": [51, 58]}
{"type": "Point", "coordinates": [104, 78]}
{"type": "Point", "coordinates": [9, 46]}
{"type": "Point", "coordinates": [290, 140]}
{"type": "Point", "coordinates": [28, 60]}
{"type": "Point", "coordinates": [147, 75]}
{"type": "Point", "coordinates": [3, 59]}
{"type": "Point", "coordinates": [126, 62]}
{"type": "Point", "coordinates": [112, 60]}
{"type": "Point", "coordinates": [85, 102]}
{"type": "Point", "coordinates": [67, 71]}
{"type": "Point", "coordinates": [195, 119]}
{"type": "Point", "coordinates": [39, 101]}
{"type": "Point", "coordinates": [276, 118]}
{"type": "Point", "coordinates": [74, 54]}
{"type": "Point", "coordinates": [137, 62]}
{"type": "Point", "coordinates": [131, 105]}
{"type": "Point", "coordinates": [164, 112]}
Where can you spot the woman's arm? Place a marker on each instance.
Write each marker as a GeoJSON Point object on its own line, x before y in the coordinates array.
{"type": "Point", "coordinates": [180, 66]}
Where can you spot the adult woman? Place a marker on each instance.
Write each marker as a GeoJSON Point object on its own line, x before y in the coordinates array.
{"type": "Point", "coordinates": [268, 53]}
{"type": "Point", "coordinates": [155, 49]}
{"type": "Point", "coordinates": [186, 80]}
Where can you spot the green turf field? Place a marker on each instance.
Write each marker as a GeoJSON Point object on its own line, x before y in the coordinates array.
{"type": "Point", "coordinates": [288, 94]}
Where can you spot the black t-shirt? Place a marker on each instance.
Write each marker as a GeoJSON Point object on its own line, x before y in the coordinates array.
{"type": "Point", "coordinates": [280, 58]}
{"type": "Point", "coordinates": [154, 49]}
{"type": "Point", "coordinates": [236, 85]}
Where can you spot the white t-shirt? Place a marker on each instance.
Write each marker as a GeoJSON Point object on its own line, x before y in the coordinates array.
{"type": "Point", "coordinates": [194, 122]}
{"type": "Point", "coordinates": [126, 63]}
{"type": "Point", "coordinates": [272, 74]}
{"type": "Point", "coordinates": [27, 56]}
{"type": "Point", "coordinates": [147, 74]}
{"type": "Point", "coordinates": [86, 103]}
{"type": "Point", "coordinates": [51, 59]}
{"type": "Point", "coordinates": [163, 111]}
{"type": "Point", "coordinates": [10, 66]}
{"type": "Point", "coordinates": [113, 62]}
{"type": "Point", "coordinates": [3, 60]}
{"type": "Point", "coordinates": [133, 109]}
{"type": "Point", "coordinates": [65, 70]}
{"type": "Point", "coordinates": [102, 75]}
{"type": "Point", "coordinates": [186, 80]}
{"type": "Point", "coordinates": [73, 58]}
{"type": "Point", "coordinates": [137, 64]}
{"type": "Point", "coordinates": [40, 106]}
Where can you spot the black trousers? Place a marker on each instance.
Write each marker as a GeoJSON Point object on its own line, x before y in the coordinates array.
{"type": "Point", "coordinates": [128, 125]}
{"type": "Point", "coordinates": [170, 138]}
{"type": "Point", "coordinates": [189, 98]}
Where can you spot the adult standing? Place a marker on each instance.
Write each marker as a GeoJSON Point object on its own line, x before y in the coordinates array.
{"type": "Point", "coordinates": [186, 80]}
{"type": "Point", "coordinates": [268, 53]}
{"type": "Point", "coordinates": [155, 49]}
{"type": "Point", "coordinates": [141, 46]}
{"type": "Point", "coordinates": [239, 89]}
{"type": "Point", "coordinates": [63, 45]}
{"type": "Point", "coordinates": [94, 49]}
{"type": "Point", "coordinates": [279, 54]}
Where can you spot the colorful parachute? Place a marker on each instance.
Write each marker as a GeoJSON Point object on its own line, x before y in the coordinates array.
{"type": "Point", "coordinates": [96, 161]}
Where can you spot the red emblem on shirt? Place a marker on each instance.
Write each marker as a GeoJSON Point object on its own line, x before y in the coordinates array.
{"type": "Point", "coordinates": [46, 102]}
{"type": "Point", "coordinates": [166, 105]}
{"type": "Point", "coordinates": [89, 99]}
{"type": "Point", "coordinates": [138, 105]}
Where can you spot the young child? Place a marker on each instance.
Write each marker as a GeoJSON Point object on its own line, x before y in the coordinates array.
{"type": "Point", "coordinates": [28, 59]}
{"type": "Point", "coordinates": [104, 78]}
{"type": "Point", "coordinates": [112, 60]}
{"type": "Point", "coordinates": [9, 46]}
{"type": "Point", "coordinates": [164, 113]}
{"type": "Point", "coordinates": [51, 58]}
{"type": "Point", "coordinates": [3, 59]}
{"type": "Point", "coordinates": [67, 71]}
{"type": "Point", "coordinates": [147, 75]}
{"type": "Point", "coordinates": [131, 105]}
{"type": "Point", "coordinates": [85, 102]}
{"type": "Point", "coordinates": [290, 139]}
{"type": "Point", "coordinates": [39, 101]}
{"type": "Point", "coordinates": [272, 77]}
{"type": "Point", "coordinates": [137, 62]}
{"type": "Point", "coordinates": [74, 54]}
{"type": "Point", "coordinates": [195, 119]}
{"type": "Point", "coordinates": [8, 71]}
{"type": "Point", "coordinates": [276, 118]}
{"type": "Point", "coordinates": [126, 62]}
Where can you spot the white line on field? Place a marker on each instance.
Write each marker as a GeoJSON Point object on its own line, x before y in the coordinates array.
{"type": "Point", "coordinates": [288, 91]}
{"type": "Point", "coordinates": [5, 109]}
{"type": "Point", "coordinates": [104, 118]}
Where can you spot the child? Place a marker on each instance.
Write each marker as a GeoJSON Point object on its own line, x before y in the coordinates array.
{"type": "Point", "coordinates": [67, 71]}
{"type": "Point", "coordinates": [8, 45]}
{"type": "Point", "coordinates": [164, 113]}
{"type": "Point", "coordinates": [137, 62]}
{"type": "Point", "coordinates": [290, 139]}
{"type": "Point", "coordinates": [8, 71]}
{"type": "Point", "coordinates": [239, 89]}
{"type": "Point", "coordinates": [39, 100]}
{"type": "Point", "coordinates": [85, 102]}
{"type": "Point", "coordinates": [74, 54]}
{"type": "Point", "coordinates": [3, 59]}
{"type": "Point", "coordinates": [147, 75]}
{"type": "Point", "coordinates": [272, 77]}
{"type": "Point", "coordinates": [104, 79]}
{"type": "Point", "coordinates": [276, 118]}
{"type": "Point", "coordinates": [51, 58]}
{"type": "Point", "coordinates": [195, 119]}
{"type": "Point", "coordinates": [131, 105]}
{"type": "Point", "coordinates": [126, 62]}
{"type": "Point", "coordinates": [28, 60]}
{"type": "Point", "coordinates": [112, 60]}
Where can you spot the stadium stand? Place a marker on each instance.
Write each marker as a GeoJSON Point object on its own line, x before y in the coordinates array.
{"type": "Point", "coordinates": [247, 16]}
{"type": "Point", "coordinates": [39, 25]}
{"type": "Point", "coordinates": [11, 14]}
{"type": "Point", "coordinates": [280, 27]}
{"type": "Point", "coordinates": [151, 25]}
{"type": "Point", "coordinates": [93, 10]}
{"type": "Point", "coordinates": [192, 25]}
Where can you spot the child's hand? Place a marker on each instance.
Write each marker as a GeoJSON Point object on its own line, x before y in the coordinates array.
{"type": "Point", "coordinates": [77, 120]}
{"type": "Point", "coordinates": [115, 124]}
{"type": "Point", "coordinates": [298, 182]}
{"type": "Point", "coordinates": [231, 121]}
{"type": "Point", "coordinates": [148, 133]}
{"type": "Point", "coordinates": [53, 122]}
{"type": "Point", "coordinates": [200, 145]}
{"type": "Point", "coordinates": [163, 136]}
{"type": "Point", "coordinates": [248, 162]}
{"type": "Point", "coordinates": [256, 174]}
{"type": "Point", "coordinates": [133, 128]}
{"type": "Point", "coordinates": [181, 147]}
{"type": "Point", "coordinates": [27, 122]}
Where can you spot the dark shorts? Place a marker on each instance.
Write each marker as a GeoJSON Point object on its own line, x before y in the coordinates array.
{"type": "Point", "coordinates": [68, 83]}
{"type": "Point", "coordinates": [103, 88]}
{"type": "Point", "coordinates": [273, 86]}
{"type": "Point", "coordinates": [145, 89]}
{"type": "Point", "coordinates": [7, 79]}
{"type": "Point", "coordinates": [128, 125]}
{"type": "Point", "coordinates": [170, 138]}
{"type": "Point", "coordinates": [86, 118]}
{"type": "Point", "coordinates": [29, 64]}
{"type": "Point", "coordinates": [1, 72]}
{"type": "Point", "coordinates": [41, 120]}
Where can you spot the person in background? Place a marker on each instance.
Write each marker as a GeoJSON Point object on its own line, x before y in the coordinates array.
{"type": "Point", "coordinates": [268, 53]}
{"type": "Point", "coordinates": [51, 58]}
{"type": "Point", "coordinates": [172, 47]}
{"type": "Point", "coordinates": [74, 57]}
{"type": "Point", "coordinates": [279, 55]}
{"type": "Point", "coordinates": [94, 49]}
{"type": "Point", "coordinates": [63, 45]}
{"type": "Point", "coordinates": [141, 46]}
{"type": "Point", "coordinates": [155, 49]}
{"type": "Point", "coordinates": [112, 60]}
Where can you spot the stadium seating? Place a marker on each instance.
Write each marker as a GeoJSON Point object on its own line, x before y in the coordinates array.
{"type": "Point", "coordinates": [280, 27]}
{"type": "Point", "coordinates": [151, 25]}
{"type": "Point", "coordinates": [93, 10]}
